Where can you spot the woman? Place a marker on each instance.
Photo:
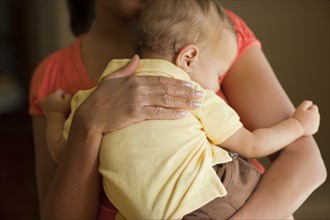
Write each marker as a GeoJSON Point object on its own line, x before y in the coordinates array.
{"type": "Point", "coordinates": [71, 189]}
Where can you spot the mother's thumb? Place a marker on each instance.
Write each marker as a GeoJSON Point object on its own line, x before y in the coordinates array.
{"type": "Point", "coordinates": [127, 70]}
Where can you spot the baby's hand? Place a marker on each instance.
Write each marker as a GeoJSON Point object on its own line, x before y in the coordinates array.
{"type": "Point", "coordinates": [308, 115]}
{"type": "Point", "coordinates": [57, 102]}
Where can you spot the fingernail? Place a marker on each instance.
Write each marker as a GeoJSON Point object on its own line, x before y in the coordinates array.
{"type": "Point", "coordinates": [196, 104]}
{"type": "Point", "coordinates": [198, 93]}
{"type": "Point", "coordinates": [135, 57]}
{"type": "Point", "coordinates": [187, 84]}
{"type": "Point", "coordinates": [183, 113]}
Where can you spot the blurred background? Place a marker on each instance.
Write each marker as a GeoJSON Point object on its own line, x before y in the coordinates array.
{"type": "Point", "coordinates": [295, 38]}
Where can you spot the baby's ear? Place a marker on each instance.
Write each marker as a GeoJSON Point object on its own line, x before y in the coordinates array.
{"type": "Point", "coordinates": [186, 57]}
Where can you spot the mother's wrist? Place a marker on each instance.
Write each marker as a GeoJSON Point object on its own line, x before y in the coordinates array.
{"type": "Point", "coordinates": [84, 135]}
{"type": "Point", "coordinates": [84, 121]}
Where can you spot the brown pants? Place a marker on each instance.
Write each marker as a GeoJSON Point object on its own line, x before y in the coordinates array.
{"type": "Point", "coordinates": [240, 178]}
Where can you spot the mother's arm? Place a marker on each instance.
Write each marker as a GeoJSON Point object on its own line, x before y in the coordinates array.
{"type": "Point", "coordinates": [296, 171]}
{"type": "Point", "coordinates": [72, 186]}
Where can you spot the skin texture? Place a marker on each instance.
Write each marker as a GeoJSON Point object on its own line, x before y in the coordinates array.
{"type": "Point", "coordinates": [70, 189]}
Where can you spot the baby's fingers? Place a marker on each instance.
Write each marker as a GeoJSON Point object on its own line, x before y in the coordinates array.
{"type": "Point", "coordinates": [67, 97]}
{"type": "Point", "coordinates": [314, 108]}
{"type": "Point", "coordinates": [305, 105]}
{"type": "Point", "coordinates": [59, 93]}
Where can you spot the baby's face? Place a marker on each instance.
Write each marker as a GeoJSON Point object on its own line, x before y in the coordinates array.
{"type": "Point", "coordinates": [215, 61]}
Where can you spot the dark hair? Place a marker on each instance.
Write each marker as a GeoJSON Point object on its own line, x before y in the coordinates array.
{"type": "Point", "coordinates": [81, 15]}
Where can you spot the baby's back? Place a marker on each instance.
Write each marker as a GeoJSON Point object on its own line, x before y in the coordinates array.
{"type": "Point", "coordinates": [151, 168]}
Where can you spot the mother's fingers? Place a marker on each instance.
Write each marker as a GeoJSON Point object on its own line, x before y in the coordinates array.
{"type": "Point", "coordinates": [177, 90]}
{"type": "Point", "coordinates": [141, 107]}
{"type": "Point", "coordinates": [168, 101]}
{"type": "Point", "coordinates": [163, 85]}
{"type": "Point", "coordinates": [162, 80]}
{"type": "Point", "coordinates": [162, 113]}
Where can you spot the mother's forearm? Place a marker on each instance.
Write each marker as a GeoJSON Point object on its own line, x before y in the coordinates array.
{"type": "Point", "coordinates": [74, 192]}
{"type": "Point", "coordinates": [303, 171]}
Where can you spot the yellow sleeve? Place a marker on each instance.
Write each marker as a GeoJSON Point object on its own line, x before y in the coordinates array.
{"type": "Point", "coordinates": [218, 119]}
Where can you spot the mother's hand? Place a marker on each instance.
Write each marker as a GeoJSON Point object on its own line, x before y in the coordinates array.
{"type": "Point", "coordinates": [121, 99]}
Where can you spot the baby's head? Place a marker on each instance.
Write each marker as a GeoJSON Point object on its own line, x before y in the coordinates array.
{"type": "Point", "coordinates": [196, 35]}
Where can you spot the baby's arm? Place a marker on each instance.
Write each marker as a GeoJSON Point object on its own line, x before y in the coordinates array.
{"type": "Point", "coordinates": [56, 108]}
{"type": "Point", "coordinates": [265, 141]}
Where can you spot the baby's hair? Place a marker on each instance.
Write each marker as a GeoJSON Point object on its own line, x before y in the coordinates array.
{"type": "Point", "coordinates": [165, 26]}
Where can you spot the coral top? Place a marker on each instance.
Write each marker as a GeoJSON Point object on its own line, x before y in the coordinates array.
{"type": "Point", "coordinates": [65, 69]}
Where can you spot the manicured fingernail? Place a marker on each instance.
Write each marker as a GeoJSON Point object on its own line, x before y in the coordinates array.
{"type": "Point", "coordinates": [183, 113]}
{"type": "Point", "coordinates": [196, 104]}
{"type": "Point", "coordinates": [187, 84]}
{"type": "Point", "coordinates": [198, 93]}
